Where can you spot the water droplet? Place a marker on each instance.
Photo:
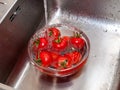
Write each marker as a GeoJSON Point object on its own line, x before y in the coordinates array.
{"type": "Point", "coordinates": [2, 2]}
{"type": "Point", "coordinates": [94, 55]}
{"type": "Point", "coordinates": [114, 7]}
{"type": "Point", "coordinates": [105, 30]}
{"type": "Point", "coordinates": [115, 30]}
{"type": "Point", "coordinates": [111, 14]}
{"type": "Point", "coordinates": [106, 18]}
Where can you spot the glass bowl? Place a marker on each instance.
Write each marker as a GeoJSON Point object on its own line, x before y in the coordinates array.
{"type": "Point", "coordinates": [65, 30]}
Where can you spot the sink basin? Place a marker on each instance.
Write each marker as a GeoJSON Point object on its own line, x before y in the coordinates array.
{"type": "Point", "coordinates": [100, 20]}
{"type": "Point", "coordinates": [16, 27]}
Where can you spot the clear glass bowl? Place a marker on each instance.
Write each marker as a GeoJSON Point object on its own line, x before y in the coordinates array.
{"type": "Point", "coordinates": [66, 30]}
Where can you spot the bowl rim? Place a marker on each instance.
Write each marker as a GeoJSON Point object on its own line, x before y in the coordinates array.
{"type": "Point", "coordinates": [56, 25]}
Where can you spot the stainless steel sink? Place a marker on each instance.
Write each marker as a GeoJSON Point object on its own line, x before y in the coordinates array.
{"type": "Point", "coordinates": [5, 6]}
{"type": "Point", "coordinates": [18, 21]}
{"type": "Point", "coordinates": [100, 20]}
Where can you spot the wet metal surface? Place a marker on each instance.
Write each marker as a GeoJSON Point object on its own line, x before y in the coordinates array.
{"type": "Point", "coordinates": [5, 6]}
{"type": "Point", "coordinates": [102, 69]}
{"type": "Point", "coordinates": [16, 28]}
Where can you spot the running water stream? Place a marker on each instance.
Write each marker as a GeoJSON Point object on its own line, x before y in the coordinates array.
{"type": "Point", "coordinates": [46, 12]}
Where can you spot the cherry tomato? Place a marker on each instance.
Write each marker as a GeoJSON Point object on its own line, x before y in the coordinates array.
{"type": "Point", "coordinates": [75, 56]}
{"type": "Point", "coordinates": [43, 42]}
{"type": "Point", "coordinates": [44, 59]}
{"type": "Point", "coordinates": [59, 43]}
{"type": "Point", "coordinates": [54, 55]}
{"type": "Point", "coordinates": [77, 41]}
{"type": "Point", "coordinates": [40, 43]}
{"type": "Point", "coordinates": [67, 38]}
{"type": "Point", "coordinates": [64, 62]}
{"type": "Point", "coordinates": [53, 32]}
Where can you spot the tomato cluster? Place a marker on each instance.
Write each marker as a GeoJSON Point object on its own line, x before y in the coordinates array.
{"type": "Point", "coordinates": [57, 51]}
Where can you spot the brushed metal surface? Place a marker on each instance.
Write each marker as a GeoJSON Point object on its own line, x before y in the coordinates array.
{"type": "Point", "coordinates": [5, 6]}
{"type": "Point", "coordinates": [5, 87]}
{"type": "Point", "coordinates": [15, 34]}
{"type": "Point", "coordinates": [100, 20]}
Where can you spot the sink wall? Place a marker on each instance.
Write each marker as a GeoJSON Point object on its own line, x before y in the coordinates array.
{"type": "Point", "coordinates": [19, 23]}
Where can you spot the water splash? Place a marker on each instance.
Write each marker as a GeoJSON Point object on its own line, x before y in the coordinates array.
{"type": "Point", "coordinates": [46, 11]}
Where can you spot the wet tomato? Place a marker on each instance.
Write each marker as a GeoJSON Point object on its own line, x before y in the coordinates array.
{"type": "Point", "coordinates": [59, 43]}
{"type": "Point", "coordinates": [75, 56]}
{"type": "Point", "coordinates": [67, 38]}
{"type": "Point", "coordinates": [40, 43]}
{"type": "Point", "coordinates": [43, 42]}
{"type": "Point", "coordinates": [64, 62]}
{"type": "Point", "coordinates": [44, 58]}
{"type": "Point", "coordinates": [53, 32]}
{"type": "Point", "coordinates": [77, 41]}
{"type": "Point", "coordinates": [54, 55]}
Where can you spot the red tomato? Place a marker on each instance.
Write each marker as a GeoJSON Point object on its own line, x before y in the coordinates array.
{"type": "Point", "coordinates": [75, 56]}
{"type": "Point", "coordinates": [67, 38]}
{"type": "Point", "coordinates": [54, 55]}
{"type": "Point", "coordinates": [45, 58]}
{"type": "Point", "coordinates": [43, 42]}
{"type": "Point", "coordinates": [59, 44]}
{"type": "Point", "coordinates": [64, 62]}
{"type": "Point", "coordinates": [77, 41]}
{"type": "Point", "coordinates": [54, 32]}
{"type": "Point", "coordinates": [40, 44]}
